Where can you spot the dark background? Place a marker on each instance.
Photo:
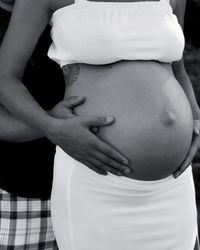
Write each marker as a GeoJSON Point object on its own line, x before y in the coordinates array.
{"type": "Point", "coordinates": [192, 63]}
{"type": "Point", "coordinates": [192, 51]}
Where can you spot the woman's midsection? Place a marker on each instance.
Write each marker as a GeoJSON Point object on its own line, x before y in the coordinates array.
{"type": "Point", "coordinates": [153, 120]}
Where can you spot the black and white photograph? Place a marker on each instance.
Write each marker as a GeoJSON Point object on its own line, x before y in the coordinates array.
{"type": "Point", "coordinates": [99, 124]}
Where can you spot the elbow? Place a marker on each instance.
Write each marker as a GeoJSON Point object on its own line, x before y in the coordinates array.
{"type": "Point", "coordinates": [8, 84]}
{"type": "Point", "coordinates": [7, 75]}
{"type": "Point", "coordinates": [10, 135]}
{"type": "Point", "coordinates": [4, 80]}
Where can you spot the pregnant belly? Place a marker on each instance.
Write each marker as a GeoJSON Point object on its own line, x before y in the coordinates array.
{"type": "Point", "coordinates": [153, 120]}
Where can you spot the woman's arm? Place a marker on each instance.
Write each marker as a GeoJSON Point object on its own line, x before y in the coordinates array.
{"type": "Point", "coordinates": [179, 68]}
{"type": "Point", "coordinates": [183, 79]}
{"type": "Point", "coordinates": [72, 134]}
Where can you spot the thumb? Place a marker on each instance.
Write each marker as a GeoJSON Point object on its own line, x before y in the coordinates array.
{"type": "Point", "coordinates": [98, 120]}
{"type": "Point", "coordinates": [73, 101]}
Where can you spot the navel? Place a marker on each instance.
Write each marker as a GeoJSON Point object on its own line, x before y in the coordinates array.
{"type": "Point", "coordinates": [168, 118]}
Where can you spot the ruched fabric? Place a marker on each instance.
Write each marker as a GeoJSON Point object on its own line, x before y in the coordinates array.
{"type": "Point", "coordinates": [106, 32]}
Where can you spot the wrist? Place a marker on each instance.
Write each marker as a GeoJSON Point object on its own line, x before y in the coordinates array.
{"type": "Point", "coordinates": [48, 123]}
{"type": "Point", "coordinates": [51, 126]}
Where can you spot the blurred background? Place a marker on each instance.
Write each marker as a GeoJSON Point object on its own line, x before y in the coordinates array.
{"type": "Point", "coordinates": [192, 64]}
{"type": "Point", "coordinates": [192, 51]}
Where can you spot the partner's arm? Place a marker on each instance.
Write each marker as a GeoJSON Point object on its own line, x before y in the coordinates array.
{"type": "Point", "coordinates": [12, 129]}
{"type": "Point", "coordinates": [184, 80]}
{"type": "Point", "coordinates": [27, 23]}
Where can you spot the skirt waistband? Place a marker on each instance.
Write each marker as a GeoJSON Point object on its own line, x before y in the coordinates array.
{"type": "Point", "coordinates": [83, 174]}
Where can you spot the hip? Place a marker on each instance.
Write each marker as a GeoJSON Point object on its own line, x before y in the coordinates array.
{"type": "Point", "coordinates": [91, 211]}
{"type": "Point", "coordinates": [68, 171]}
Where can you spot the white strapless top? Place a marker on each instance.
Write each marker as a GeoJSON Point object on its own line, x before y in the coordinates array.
{"type": "Point", "coordinates": [105, 32]}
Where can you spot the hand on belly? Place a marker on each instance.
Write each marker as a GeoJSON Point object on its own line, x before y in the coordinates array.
{"type": "Point", "coordinates": [153, 120]}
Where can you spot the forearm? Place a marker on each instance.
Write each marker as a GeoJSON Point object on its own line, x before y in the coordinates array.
{"type": "Point", "coordinates": [187, 87]}
{"type": "Point", "coordinates": [16, 98]}
{"type": "Point", "coordinates": [19, 43]}
{"type": "Point", "coordinates": [184, 80]}
{"type": "Point", "coordinates": [11, 129]}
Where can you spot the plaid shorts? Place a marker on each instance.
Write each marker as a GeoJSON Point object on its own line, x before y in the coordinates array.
{"type": "Point", "coordinates": [25, 224]}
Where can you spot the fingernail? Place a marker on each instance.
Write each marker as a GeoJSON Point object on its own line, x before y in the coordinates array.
{"type": "Point", "coordinates": [125, 162]}
{"type": "Point", "coordinates": [176, 175]}
{"type": "Point", "coordinates": [109, 119]}
{"type": "Point", "coordinates": [127, 170]}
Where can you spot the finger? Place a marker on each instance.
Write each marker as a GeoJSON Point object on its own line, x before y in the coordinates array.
{"type": "Point", "coordinates": [111, 152]}
{"type": "Point", "coordinates": [103, 166]}
{"type": "Point", "coordinates": [93, 121]}
{"type": "Point", "coordinates": [73, 101]}
{"type": "Point", "coordinates": [187, 162]}
{"type": "Point", "coordinates": [94, 168]}
{"type": "Point", "coordinates": [112, 163]}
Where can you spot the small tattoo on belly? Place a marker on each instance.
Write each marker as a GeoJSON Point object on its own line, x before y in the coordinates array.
{"type": "Point", "coordinates": [71, 73]}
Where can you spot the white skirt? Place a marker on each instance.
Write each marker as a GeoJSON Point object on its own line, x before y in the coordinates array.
{"type": "Point", "coordinates": [95, 212]}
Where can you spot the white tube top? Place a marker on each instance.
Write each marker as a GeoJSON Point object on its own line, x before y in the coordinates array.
{"type": "Point", "coordinates": [105, 32]}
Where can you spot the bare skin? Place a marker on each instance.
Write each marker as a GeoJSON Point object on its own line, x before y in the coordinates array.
{"type": "Point", "coordinates": [151, 129]}
{"type": "Point", "coordinates": [7, 4]}
{"type": "Point", "coordinates": [180, 74]}
{"type": "Point", "coordinates": [13, 129]}
{"type": "Point", "coordinates": [14, 55]}
{"type": "Point", "coordinates": [112, 160]}
{"type": "Point", "coordinates": [71, 72]}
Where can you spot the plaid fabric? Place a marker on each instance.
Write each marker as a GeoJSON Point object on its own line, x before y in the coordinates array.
{"type": "Point", "coordinates": [25, 224]}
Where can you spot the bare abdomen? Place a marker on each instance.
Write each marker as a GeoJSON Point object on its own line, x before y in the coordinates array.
{"type": "Point", "coordinates": [153, 120]}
